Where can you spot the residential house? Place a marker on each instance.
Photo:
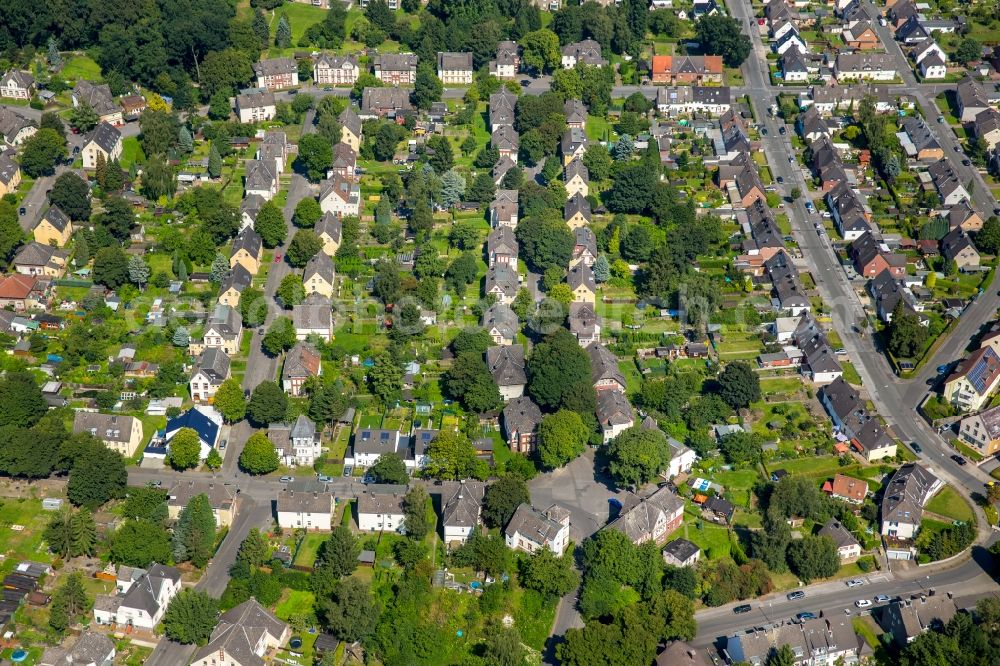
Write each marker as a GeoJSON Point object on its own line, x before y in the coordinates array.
{"type": "Point", "coordinates": [973, 382]}
{"type": "Point", "coordinates": [576, 114]}
{"type": "Point", "coordinates": [370, 443]}
{"type": "Point", "coordinates": [17, 84]}
{"type": "Point", "coordinates": [887, 293]}
{"type": "Point", "coordinates": [336, 70]}
{"type": "Point", "coordinates": [652, 518]}
{"type": "Point", "coordinates": [276, 73]}
{"type": "Point", "coordinates": [340, 196]}
{"type": "Point", "coordinates": [927, 48]}
{"type": "Point", "coordinates": [99, 98]}
{"type": "Point", "coordinates": [503, 209]}
{"type": "Point", "coordinates": [718, 510]}
{"type": "Point", "coordinates": [906, 619]}
{"type": "Point", "coordinates": [396, 68]}
{"type": "Point", "coordinates": [233, 287]}
{"type": "Point", "coordinates": [141, 597]}
{"type": "Point", "coordinates": [933, 67]}
{"type": "Point", "coordinates": [345, 162]}
{"type": "Point", "coordinates": [816, 642]}
{"type": "Point", "coordinates": [681, 553]}
{"type": "Point", "coordinates": [864, 67]}
{"type": "Point", "coordinates": [10, 173]}
{"type": "Point", "coordinates": [687, 69]}
{"type": "Point", "coordinates": [819, 361]}
{"type": "Point", "coordinates": [912, 32]}
{"type": "Point", "coordinates": [104, 140]}
{"type": "Point", "coordinates": [521, 418]}
{"type": "Point", "coordinates": [461, 507]}
{"type": "Point", "coordinates": [275, 147]}
{"type": "Point", "coordinates": [53, 228]}
{"type": "Point", "coordinates": [330, 230]}
{"type": "Point", "coordinates": [243, 636]}
{"type": "Point", "coordinates": [790, 295]}
{"type": "Point", "coordinates": [584, 247]}
{"type": "Point", "coordinates": [221, 499]}
{"type": "Point", "coordinates": [500, 169]}
{"type": "Point", "coordinates": [573, 145]}
{"type": "Point", "coordinates": [15, 129]}
{"type": "Point", "coordinates": [132, 106]}
{"type": "Point", "coordinates": [502, 247]}
{"type": "Point", "coordinates": [743, 174]}
{"type": "Point", "coordinates": [506, 141]}
{"type": "Point", "coordinates": [261, 178]}
{"type": "Point", "coordinates": [576, 176]}
{"type": "Point", "coordinates": [256, 107]}
{"type": "Point", "coordinates": [249, 208]}
{"type": "Point", "coordinates": [614, 413]}
{"type": "Point", "coordinates": [848, 548]}
{"type": "Point", "coordinates": [212, 369]}
{"type": "Point", "coordinates": [791, 40]}
{"type": "Point", "coordinates": [794, 67]}
{"type": "Point", "coordinates": [501, 323]}
{"type": "Point", "coordinates": [584, 324]}
{"type": "Point", "coordinates": [850, 211]}
{"type": "Point", "coordinates": [507, 62]}
{"type": "Point", "coordinates": [318, 276]}
{"type": "Point", "coordinates": [304, 511]}
{"type": "Point", "coordinates": [454, 69]}
{"type": "Point", "coordinates": [811, 125]}
{"type": "Point", "coordinates": [971, 99]}
{"type": "Point", "coordinates": [530, 530]}
{"type": "Point", "coordinates": [247, 251]}
{"type": "Point", "coordinates": [380, 508]}
{"type": "Point", "coordinates": [314, 316]}
{"type": "Point", "coordinates": [119, 433]}
{"type": "Point", "coordinates": [986, 126]}
{"type": "Point", "coordinates": [506, 364]}
{"type": "Point", "coordinates": [962, 215]}
{"type": "Point", "coordinates": [90, 649]}
{"type": "Point", "coordinates": [582, 284]}
{"type": "Point", "coordinates": [350, 127]}
{"type": "Point", "coordinates": [920, 143]}
{"type": "Point", "coordinates": [40, 260]}
{"type": "Point", "coordinates": [502, 109]}
{"type": "Point", "coordinates": [587, 52]}
{"type": "Point", "coordinates": [871, 258]}
{"type": "Point", "coordinates": [385, 102]}
{"type": "Point", "coordinates": [223, 330]}
{"type": "Point", "coordinates": [503, 282]}
{"type": "Point", "coordinates": [982, 431]}
{"type": "Point", "coordinates": [301, 363]}
{"type": "Point", "coordinates": [947, 182]}
{"type": "Point", "coordinates": [957, 246]}
{"type": "Point", "coordinates": [22, 292]}
{"type": "Point", "coordinates": [604, 371]}
{"type": "Point", "coordinates": [847, 489]}
{"type": "Point", "coordinates": [206, 422]}
{"type": "Point", "coordinates": [908, 490]}
{"type": "Point", "coordinates": [861, 35]}
{"type": "Point", "coordinates": [576, 212]}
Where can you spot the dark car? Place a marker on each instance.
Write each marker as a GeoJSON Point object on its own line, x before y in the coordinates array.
{"type": "Point", "coordinates": [763, 130]}
{"type": "Point", "coordinates": [966, 163]}
{"type": "Point", "coordinates": [959, 459]}
{"type": "Point", "coordinates": [23, 211]}
{"type": "Point", "coordinates": [780, 180]}
{"type": "Point", "coordinates": [781, 130]}
{"type": "Point", "coordinates": [916, 447]}
{"type": "Point", "coordinates": [802, 617]}
{"type": "Point", "coordinates": [745, 608]}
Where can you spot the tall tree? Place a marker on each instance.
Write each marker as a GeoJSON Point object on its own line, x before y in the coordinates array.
{"type": "Point", "coordinates": [270, 224]}
{"type": "Point", "coordinates": [562, 437]}
{"type": "Point", "coordinates": [268, 404]}
{"type": "Point", "coordinates": [739, 385]}
{"type": "Point", "coordinates": [68, 602]}
{"type": "Point", "coordinates": [72, 195]}
{"type": "Point", "coordinates": [259, 455]}
{"type": "Point", "coordinates": [185, 449]}
{"type": "Point", "coordinates": [415, 520]}
{"type": "Point", "coordinates": [636, 456]}
{"type": "Point", "coordinates": [283, 34]}
{"type": "Point", "coordinates": [502, 498]}
{"type": "Point", "coordinates": [194, 533]}
{"type": "Point", "coordinates": [191, 617]}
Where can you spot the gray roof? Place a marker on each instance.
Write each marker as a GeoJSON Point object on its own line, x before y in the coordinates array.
{"type": "Point", "coordinates": [56, 218]}
{"type": "Point", "coordinates": [504, 277]}
{"type": "Point", "coordinates": [313, 313]}
{"type": "Point", "coordinates": [521, 415]}
{"type": "Point", "coordinates": [19, 77]}
{"type": "Point", "coordinates": [344, 157]}
{"type": "Point", "coordinates": [219, 495]}
{"type": "Point", "coordinates": [838, 533]}
{"type": "Point", "coordinates": [239, 279]}
{"type": "Point", "coordinates": [251, 205]}
{"type": "Point", "coordinates": [639, 521]}
{"type": "Point", "coordinates": [505, 138]}
{"type": "Point", "coordinates": [577, 204]}
{"type": "Point", "coordinates": [581, 275]}
{"type": "Point", "coordinates": [604, 364]}
{"type": "Point", "coordinates": [240, 630]}
{"type": "Point", "coordinates": [8, 167]}
{"type": "Point", "coordinates": [586, 51]}
{"type": "Point", "coordinates": [681, 549]}
{"type": "Point", "coordinates": [320, 265]}
{"type": "Point", "coordinates": [376, 440]}
{"type": "Point", "coordinates": [945, 178]}
{"type": "Point", "coordinates": [89, 648]}
{"type": "Point", "coordinates": [575, 111]}
{"type": "Point", "coordinates": [534, 524]}
{"type": "Point", "coordinates": [904, 495]}
{"type": "Point", "coordinates": [613, 408]}
{"type": "Point", "coordinates": [349, 118]}
{"type": "Point", "coordinates": [215, 364]}
{"type": "Point", "coordinates": [275, 66]}
{"type": "Point", "coordinates": [11, 123]}
{"type": "Point", "coordinates": [248, 240]}
{"type": "Point", "coordinates": [105, 136]}
{"type": "Point", "coordinates": [502, 318]}
{"type": "Point", "coordinates": [260, 174]}
{"type": "Point", "coordinates": [842, 399]}
{"type": "Point", "coordinates": [37, 254]}
{"type": "Point", "coordinates": [576, 168]}
{"type": "Point", "coordinates": [305, 502]}
{"type": "Point", "coordinates": [395, 62]}
{"type": "Point", "coordinates": [920, 135]}
{"type": "Point", "coordinates": [583, 321]}
{"type": "Point", "coordinates": [450, 61]}
{"type": "Point", "coordinates": [506, 364]}
{"type": "Point", "coordinates": [226, 320]}
{"type": "Point", "coordinates": [572, 139]}
{"type": "Point", "coordinates": [99, 97]}
{"type": "Point", "coordinates": [461, 504]}
{"type": "Point", "coordinates": [785, 278]}
{"type": "Point", "coordinates": [254, 100]}
{"type": "Point", "coordinates": [381, 498]}
{"type": "Point", "coordinates": [376, 99]}
{"type": "Point", "coordinates": [329, 225]}
{"type": "Point", "coordinates": [502, 241]}
{"type": "Point", "coordinates": [106, 427]}
{"type": "Point", "coordinates": [144, 592]}
{"type": "Point", "coordinates": [584, 240]}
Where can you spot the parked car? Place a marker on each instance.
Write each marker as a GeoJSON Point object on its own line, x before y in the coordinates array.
{"type": "Point", "coordinates": [744, 608]}
{"type": "Point", "coordinates": [23, 211]}
{"type": "Point", "coordinates": [916, 447]}
{"type": "Point", "coordinates": [855, 582]}
{"type": "Point", "coordinates": [802, 617]}
{"type": "Point", "coordinates": [323, 478]}
{"type": "Point", "coordinates": [881, 598]}
{"type": "Point", "coordinates": [781, 130]}
{"type": "Point", "coordinates": [958, 459]}
{"type": "Point", "coordinates": [966, 162]}
{"type": "Point", "coordinates": [222, 444]}
{"type": "Point", "coordinates": [940, 119]}
{"type": "Point", "coordinates": [277, 258]}
{"type": "Point", "coordinates": [797, 594]}
{"type": "Point", "coordinates": [287, 479]}
{"type": "Point", "coordinates": [863, 603]}
{"type": "Point", "coordinates": [763, 131]}
{"type": "Point", "coordinates": [780, 180]}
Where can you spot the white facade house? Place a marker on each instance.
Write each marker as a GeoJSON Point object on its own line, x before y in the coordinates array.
{"type": "Point", "coordinates": [461, 506]}
{"type": "Point", "coordinates": [904, 498]}
{"type": "Point", "coordinates": [380, 508]}
{"type": "Point", "coordinates": [256, 107]}
{"type": "Point", "coordinates": [141, 597]}
{"type": "Point", "coordinates": [303, 510]}
{"type": "Point", "coordinates": [530, 529]}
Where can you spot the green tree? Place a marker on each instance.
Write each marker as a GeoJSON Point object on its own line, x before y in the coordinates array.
{"type": "Point", "coordinates": [427, 87]}
{"type": "Point", "coordinates": [337, 556]}
{"type": "Point", "coordinates": [259, 455]}
{"type": "Point", "coordinates": [307, 213]}
{"type": "Point", "coordinates": [185, 449]}
{"type": "Point", "coordinates": [41, 152]}
{"type": "Point", "coordinates": [194, 533]}
{"type": "Point", "coordinates": [254, 550]}
{"type": "Point", "coordinates": [452, 456]}
{"type": "Point", "coordinates": [968, 50]}
{"type": "Point", "coordinates": [906, 335]}
{"type": "Point", "coordinates": [562, 437]}
{"type": "Point", "coordinates": [72, 195]}
{"type": "Point", "coordinates": [721, 35]}
{"type": "Point", "coordinates": [138, 271]}
{"type": "Point", "coordinates": [315, 157]}
{"type": "Point", "coordinates": [139, 543]}
{"type": "Point", "coordinates": [291, 292]}
{"type": "Point", "coordinates": [191, 617]}
{"type": "Point", "coordinates": [443, 157]}
{"type": "Point", "coordinates": [741, 448]}
{"type": "Point", "coordinates": [988, 238]}
{"type": "Point", "coordinates": [230, 401]}
{"type": "Point", "coordinates": [541, 51]}
{"type": "Point", "coordinates": [637, 456]}
{"type": "Point", "coordinates": [22, 400]}
{"type": "Point", "coordinates": [68, 602]}
{"type": "Point", "coordinates": [351, 614]}
{"type": "Point", "coordinates": [214, 159]}
{"type": "Point", "coordinates": [97, 475]}
{"type": "Point", "coordinates": [415, 520]}
{"type": "Point", "coordinates": [304, 246]}
{"type": "Point", "coordinates": [559, 372]}
{"type": "Point", "coordinates": [117, 219]}
{"type": "Point", "coordinates": [385, 379]}
{"type": "Point", "coordinates": [545, 242]}
{"type": "Point", "coordinates": [83, 118]}
{"type": "Point", "coordinates": [213, 460]}
{"type": "Point", "coordinates": [280, 336]}
{"type": "Point", "coordinates": [71, 533]}
{"type": "Point", "coordinates": [283, 34]}
{"type": "Point", "coordinates": [547, 574]}
{"type": "Point", "coordinates": [469, 381]}
{"type": "Point", "coordinates": [268, 404]}
{"type": "Point", "coordinates": [502, 499]}
{"type": "Point", "coordinates": [781, 656]}
{"type": "Point", "coordinates": [158, 179]}
{"type": "Point", "coordinates": [739, 385]}
{"type": "Point", "coordinates": [813, 557]}
{"type": "Point", "coordinates": [389, 468]}
{"type": "Point", "coordinates": [220, 270]}
{"type": "Point", "coordinates": [598, 162]}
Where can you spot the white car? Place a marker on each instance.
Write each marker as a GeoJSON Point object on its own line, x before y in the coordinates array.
{"type": "Point", "coordinates": [855, 582]}
{"type": "Point", "coordinates": [863, 603]}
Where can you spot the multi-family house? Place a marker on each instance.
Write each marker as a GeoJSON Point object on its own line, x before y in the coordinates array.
{"type": "Point", "coordinates": [380, 508]}
{"type": "Point", "coordinates": [530, 530]}
{"type": "Point", "coordinates": [17, 84]}
{"type": "Point", "coordinates": [345, 162]}
{"type": "Point", "coordinates": [247, 251]}
{"type": "Point", "coordinates": [973, 381]}
{"type": "Point", "coordinates": [502, 109]}
{"type": "Point", "coordinates": [963, 215]}
{"type": "Point", "coordinates": [584, 247]}
{"type": "Point", "coordinates": [506, 364]}
{"type": "Point", "coordinates": [871, 258]}
{"type": "Point", "coordinates": [521, 418]}
{"type": "Point", "coordinates": [576, 177]}
{"type": "Point", "coordinates": [850, 211]}
{"type": "Point", "coordinates": [576, 211]}
{"type": "Point", "coordinates": [461, 507]}
{"type": "Point", "coordinates": [848, 547]}
{"type": "Point", "coordinates": [604, 371]}
{"type": "Point", "coordinates": [53, 228]}
{"type": "Point", "coordinates": [971, 99]}
{"type": "Point", "coordinates": [573, 145]}
{"type": "Point", "coordinates": [903, 500]}
{"type": "Point", "coordinates": [906, 618]}
{"type": "Point", "coordinates": [582, 284]}
{"type": "Point", "coordinates": [313, 317]}
{"type": "Point", "coordinates": [22, 292]}
{"type": "Point", "coordinates": [504, 209]}
{"type": "Point", "coordinates": [39, 260]}
{"type": "Point", "coordinates": [318, 276]}
{"type": "Point", "coordinates": [221, 499]}
{"type": "Point", "coordinates": [211, 370]}
{"type": "Point", "coordinates": [501, 323]}
{"type": "Point", "coordinates": [507, 62]}
{"type": "Point", "coordinates": [335, 70]}
{"type": "Point", "coordinates": [587, 52]}
{"type": "Point", "coordinates": [276, 73]}
{"type": "Point", "coordinates": [243, 637]}
{"type": "Point", "coordinates": [256, 107]}
{"type": "Point", "coordinates": [275, 147]}
{"type": "Point", "coordinates": [395, 68]}
{"type": "Point", "coordinates": [370, 443]}
{"type": "Point", "coordinates": [919, 143]}
{"type": "Point", "coordinates": [304, 510]}
{"type": "Point", "coordinates": [454, 69]}
{"type": "Point", "coordinates": [957, 246]}
{"type": "Point", "coordinates": [298, 443]}
{"type": "Point", "coordinates": [15, 129]}
{"type": "Point", "coordinates": [90, 649]}
{"type": "Point", "coordinates": [249, 209]}
{"type": "Point", "coordinates": [330, 230]}
{"type": "Point", "coordinates": [340, 196]}
{"type": "Point", "coordinates": [350, 127]}
{"type": "Point", "coordinates": [652, 518]}
{"type": "Point", "coordinates": [861, 35]}
{"type": "Point", "coordinates": [614, 413]}
{"type": "Point", "coordinates": [584, 324]}
{"type": "Point", "coordinates": [233, 286]}
{"type": "Point", "coordinates": [223, 330]}
{"type": "Point", "coordinates": [261, 178]}
{"type": "Point", "coordinates": [817, 642]}
{"type": "Point", "coordinates": [104, 141]}
{"type": "Point", "coordinates": [502, 247]}
{"type": "Point", "coordinates": [119, 433]}
{"type": "Point", "coordinates": [791, 297]}
{"type": "Point", "coordinates": [986, 126]}
{"type": "Point", "coordinates": [10, 173]}
{"type": "Point", "coordinates": [301, 363]}
{"type": "Point", "coordinates": [864, 67]}
{"type": "Point", "coordinates": [687, 69]}
{"type": "Point", "coordinates": [947, 182]}
{"type": "Point", "coordinates": [576, 114]}
{"type": "Point", "coordinates": [503, 282]}
{"type": "Point", "coordinates": [982, 431]}
{"type": "Point", "coordinates": [141, 597]}
{"type": "Point", "coordinates": [506, 142]}
{"type": "Point", "coordinates": [99, 98]}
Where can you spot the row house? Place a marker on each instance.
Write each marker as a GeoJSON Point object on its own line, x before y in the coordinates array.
{"type": "Point", "coordinates": [870, 258]}
{"type": "Point", "coordinates": [504, 209]}
{"type": "Point", "coordinates": [864, 67]}
{"type": "Point", "coordinates": [971, 99]}
{"type": "Point", "coordinates": [502, 247]}
{"type": "Point", "coordinates": [336, 70]}
{"type": "Point", "coordinates": [815, 642]}
{"type": "Point", "coordinates": [918, 141]}
{"type": "Point", "coordinates": [584, 247]}
{"type": "Point", "coordinates": [743, 174]}
{"type": "Point", "coordinates": [304, 510]}
{"type": "Point", "coordinates": [276, 73]}
{"type": "Point", "coordinates": [687, 69]}
{"type": "Point", "coordinates": [853, 422]}
{"type": "Point", "coordinates": [831, 99]}
{"type": "Point", "coordinates": [274, 146]}
{"type": "Point", "coordinates": [963, 215]}
{"type": "Point", "coordinates": [15, 129]}
{"type": "Point", "coordinates": [789, 294]}
{"type": "Point", "coordinates": [811, 125]}
{"type": "Point", "coordinates": [947, 182]}
{"type": "Point", "coordinates": [576, 178]}
{"type": "Point", "coordinates": [576, 211]}
{"type": "Point", "coordinates": [790, 41]}
{"type": "Point", "coordinates": [850, 211]}
{"type": "Point", "coordinates": [385, 102]}
{"type": "Point", "coordinates": [711, 100]}
{"type": "Point", "coordinates": [957, 247]}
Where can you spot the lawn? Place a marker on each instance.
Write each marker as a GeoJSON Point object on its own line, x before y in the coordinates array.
{"type": "Point", "coordinates": [300, 18]}
{"type": "Point", "coordinates": [24, 543]}
{"type": "Point", "coordinates": [306, 554]}
{"type": "Point", "coordinates": [823, 466]}
{"type": "Point", "coordinates": [295, 602]}
{"type": "Point", "coordinates": [712, 539]}
{"type": "Point", "coordinates": [950, 504]}
{"type": "Point", "coordinates": [131, 153]}
{"type": "Point", "coordinates": [851, 375]}
{"type": "Point", "coordinates": [81, 67]}
{"type": "Point", "coordinates": [599, 129]}
{"type": "Point", "coordinates": [742, 479]}
{"type": "Point", "coordinates": [783, 385]}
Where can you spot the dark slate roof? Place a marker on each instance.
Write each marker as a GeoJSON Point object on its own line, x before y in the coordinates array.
{"type": "Point", "coordinates": [104, 135]}
{"type": "Point", "coordinates": [521, 415]}
{"type": "Point", "coordinates": [506, 364]}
